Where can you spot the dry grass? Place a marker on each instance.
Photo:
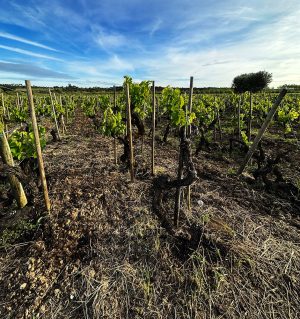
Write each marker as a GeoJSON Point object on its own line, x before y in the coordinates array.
{"type": "Point", "coordinates": [110, 257]}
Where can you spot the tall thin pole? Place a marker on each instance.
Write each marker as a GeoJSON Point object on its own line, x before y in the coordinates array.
{"type": "Point", "coordinates": [3, 106]}
{"type": "Point", "coordinates": [115, 141]}
{"type": "Point", "coordinates": [62, 116]}
{"type": "Point", "coordinates": [37, 144]}
{"type": "Point", "coordinates": [153, 128]}
{"type": "Point", "coordinates": [189, 131]}
{"type": "Point", "coordinates": [54, 114]}
{"type": "Point", "coordinates": [5, 111]}
{"type": "Point", "coordinates": [18, 101]}
{"type": "Point", "coordinates": [129, 133]}
{"type": "Point", "coordinates": [67, 111]}
{"type": "Point", "coordinates": [6, 108]}
{"type": "Point", "coordinates": [250, 119]}
{"type": "Point", "coordinates": [239, 117]}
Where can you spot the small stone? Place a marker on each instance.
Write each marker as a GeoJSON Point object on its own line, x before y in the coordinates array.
{"type": "Point", "coordinates": [57, 292]}
{"type": "Point", "coordinates": [74, 214]}
{"type": "Point", "coordinates": [200, 202]}
{"type": "Point", "coordinates": [23, 286]}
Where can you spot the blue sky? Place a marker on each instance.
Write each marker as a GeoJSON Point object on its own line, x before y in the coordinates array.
{"type": "Point", "coordinates": [95, 43]}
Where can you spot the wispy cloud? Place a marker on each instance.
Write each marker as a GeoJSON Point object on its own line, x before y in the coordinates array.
{"type": "Point", "coordinates": [32, 70]}
{"type": "Point", "coordinates": [155, 26]}
{"type": "Point", "coordinates": [110, 40]}
{"type": "Point", "coordinates": [273, 47]}
{"type": "Point", "coordinates": [97, 69]}
{"type": "Point", "coordinates": [167, 41]}
{"type": "Point", "coordinates": [30, 53]}
{"type": "Point", "coordinates": [23, 40]}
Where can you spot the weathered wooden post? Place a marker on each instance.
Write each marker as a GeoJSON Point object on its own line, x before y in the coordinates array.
{"type": "Point", "coordinates": [37, 144]}
{"type": "Point", "coordinates": [62, 117]}
{"type": "Point", "coordinates": [18, 102]}
{"type": "Point", "coordinates": [67, 113]}
{"type": "Point", "coordinates": [129, 133]}
{"type": "Point", "coordinates": [250, 117]}
{"type": "Point", "coordinates": [54, 114]}
{"type": "Point", "coordinates": [215, 116]}
{"type": "Point", "coordinates": [239, 117]}
{"type": "Point", "coordinates": [153, 129]}
{"type": "Point", "coordinates": [3, 106]}
{"type": "Point", "coordinates": [189, 135]}
{"type": "Point", "coordinates": [5, 109]}
{"type": "Point", "coordinates": [115, 140]}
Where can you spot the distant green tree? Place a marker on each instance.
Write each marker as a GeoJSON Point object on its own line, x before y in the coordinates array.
{"type": "Point", "coordinates": [251, 82]}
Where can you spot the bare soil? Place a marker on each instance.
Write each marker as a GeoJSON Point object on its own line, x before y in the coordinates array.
{"type": "Point", "coordinates": [103, 253]}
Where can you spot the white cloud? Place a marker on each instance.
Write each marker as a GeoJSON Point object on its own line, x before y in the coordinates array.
{"type": "Point", "coordinates": [116, 63]}
{"type": "Point", "coordinates": [23, 40]}
{"type": "Point", "coordinates": [30, 53]}
{"type": "Point", "coordinates": [155, 26]}
{"type": "Point", "coordinates": [272, 46]}
{"type": "Point", "coordinates": [110, 40]}
{"type": "Point", "coordinates": [112, 68]}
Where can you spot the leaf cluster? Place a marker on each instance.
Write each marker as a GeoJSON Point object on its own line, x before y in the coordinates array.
{"type": "Point", "coordinates": [140, 96]}
{"type": "Point", "coordinates": [22, 143]}
{"type": "Point", "coordinates": [173, 104]}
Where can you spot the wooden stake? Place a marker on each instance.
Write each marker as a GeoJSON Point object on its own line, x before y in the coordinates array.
{"type": "Point", "coordinates": [115, 141]}
{"type": "Point", "coordinates": [215, 116]}
{"type": "Point", "coordinates": [189, 131]}
{"type": "Point", "coordinates": [262, 130]}
{"type": "Point", "coordinates": [37, 144]}
{"type": "Point", "coordinates": [6, 110]}
{"type": "Point", "coordinates": [178, 191]}
{"type": "Point", "coordinates": [153, 129]}
{"type": "Point", "coordinates": [67, 113]}
{"type": "Point", "coordinates": [18, 102]}
{"type": "Point", "coordinates": [54, 114]}
{"type": "Point", "coordinates": [129, 133]}
{"type": "Point", "coordinates": [239, 117]}
{"type": "Point", "coordinates": [62, 117]}
{"type": "Point", "coordinates": [157, 110]}
{"type": "Point", "coordinates": [63, 124]}
{"type": "Point", "coordinates": [3, 106]}
{"type": "Point", "coordinates": [16, 186]}
{"type": "Point", "coordinates": [219, 123]}
{"type": "Point", "coordinates": [250, 119]}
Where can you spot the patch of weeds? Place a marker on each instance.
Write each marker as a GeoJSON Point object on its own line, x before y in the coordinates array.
{"type": "Point", "coordinates": [220, 275]}
{"type": "Point", "coordinates": [297, 184]}
{"type": "Point", "coordinates": [244, 261]}
{"type": "Point", "coordinates": [205, 218]}
{"type": "Point", "coordinates": [231, 171]}
{"type": "Point", "coordinates": [22, 229]}
{"type": "Point", "coordinates": [143, 227]}
{"type": "Point", "coordinates": [198, 274]}
{"type": "Point", "coordinates": [146, 284]}
{"type": "Point", "coordinates": [157, 243]}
